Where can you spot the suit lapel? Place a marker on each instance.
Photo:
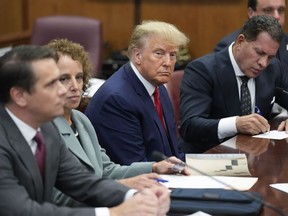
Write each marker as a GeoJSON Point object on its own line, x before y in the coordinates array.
{"type": "Point", "coordinates": [90, 156]}
{"type": "Point", "coordinates": [140, 89]}
{"type": "Point", "coordinates": [70, 139]}
{"type": "Point", "coordinates": [22, 149]}
{"type": "Point", "coordinates": [225, 76]}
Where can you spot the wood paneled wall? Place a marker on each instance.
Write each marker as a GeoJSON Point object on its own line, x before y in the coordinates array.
{"type": "Point", "coordinates": [204, 21]}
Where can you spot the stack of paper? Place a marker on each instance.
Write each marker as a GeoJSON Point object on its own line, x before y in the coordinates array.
{"type": "Point", "coordinates": [218, 164]}
{"type": "Point", "coordinates": [221, 182]}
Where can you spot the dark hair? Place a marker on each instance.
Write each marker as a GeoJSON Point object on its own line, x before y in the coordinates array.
{"type": "Point", "coordinates": [16, 69]}
{"type": "Point", "coordinates": [252, 4]}
{"type": "Point", "coordinates": [262, 23]}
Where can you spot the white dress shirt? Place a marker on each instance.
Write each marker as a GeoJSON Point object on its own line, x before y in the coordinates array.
{"type": "Point", "coordinates": [227, 126]}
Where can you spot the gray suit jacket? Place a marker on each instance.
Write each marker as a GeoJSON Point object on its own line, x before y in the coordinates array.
{"type": "Point", "coordinates": [91, 154]}
{"type": "Point", "coordinates": [22, 190]}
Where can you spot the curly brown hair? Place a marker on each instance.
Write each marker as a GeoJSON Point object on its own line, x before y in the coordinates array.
{"type": "Point", "coordinates": [77, 53]}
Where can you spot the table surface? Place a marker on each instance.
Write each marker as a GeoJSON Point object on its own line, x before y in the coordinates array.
{"type": "Point", "coordinates": [267, 160]}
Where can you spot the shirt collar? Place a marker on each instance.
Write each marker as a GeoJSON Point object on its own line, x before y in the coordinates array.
{"type": "Point", "coordinates": [27, 131]}
{"type": "Point", "coordinates": [148, 86]}
{"type": "Point", "coordinates": [235, 66]}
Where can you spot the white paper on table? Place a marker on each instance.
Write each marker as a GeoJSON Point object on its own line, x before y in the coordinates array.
{"type": "Point", "coordinates": [273, 134]}
{"type": "Point", "coordinates": [199, 213]}
{"type": "Point", "coordinates": [280, 186]}
{"type": "Point", "coordinates": [200, 181]}
{"type": "Point", "coordinates": [218, 164]}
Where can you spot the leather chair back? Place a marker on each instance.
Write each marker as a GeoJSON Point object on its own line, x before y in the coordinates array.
{"type": "Point", "coordinates": [82, 30]}
{"type": "Point", "coordinates": [173, 88]}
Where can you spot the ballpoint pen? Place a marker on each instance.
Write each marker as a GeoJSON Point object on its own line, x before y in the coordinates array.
{"type": "Point", "coordinates": [258, 111]}
{"type": "Point", "coordinates": [160, 180]}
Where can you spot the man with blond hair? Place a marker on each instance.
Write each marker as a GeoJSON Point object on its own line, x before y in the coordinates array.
{"type": "Point", "coordinates": [131, 112]}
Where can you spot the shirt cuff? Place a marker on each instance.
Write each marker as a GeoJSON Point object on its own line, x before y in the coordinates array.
{"type": "Point", "coordinates": [103, 211]}
{"type": "Point", "coordinates": [130, 193]}
{"type": "Point", "coordinates": [227, 127]}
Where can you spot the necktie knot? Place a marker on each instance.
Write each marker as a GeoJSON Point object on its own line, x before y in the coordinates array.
{"type": "Point", "coordinates": [244, 79]}
{"type": "Point", "coordinates": [156, 94]}
{"type": "Point", "coordinates": [39, 139]}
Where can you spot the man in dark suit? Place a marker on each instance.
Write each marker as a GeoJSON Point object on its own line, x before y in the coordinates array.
{"type": "Point", "coordinates": [30, 96]}
{"type": "Point", "coordinates": [211, 87]}
{"type": "Point", "coordinates": [274, 8]}
{"type": "Point", "coordinates": [123, 109]}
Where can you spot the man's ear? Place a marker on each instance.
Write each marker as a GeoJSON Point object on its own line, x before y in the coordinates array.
{"type": "Point", "coordinates": [17, 95]}
{"type": "Point", "coordinates": [240, 38]}
{"type": "Point", "coordinates": [250, 12]}
{"type": "Point", "coordinates": [136, 55]}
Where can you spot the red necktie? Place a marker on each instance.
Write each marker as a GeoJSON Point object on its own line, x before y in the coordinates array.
{"type": "Point", "coordinates": [158, 106]}
{"type": "Point", "coordinates": [40, 152]}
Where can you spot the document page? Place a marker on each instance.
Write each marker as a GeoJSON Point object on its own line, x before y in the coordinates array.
{"type": "Point", "coordinates": [281, 186]}
{"type": "Point", "coordinates": [218, 164]}
{"type": "Point", "coordinates": [273, 134]}
{"type": "Point", "coordinates": [220, 182]}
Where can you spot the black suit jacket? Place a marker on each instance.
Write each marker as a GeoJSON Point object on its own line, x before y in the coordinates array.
{"type": "Point", "coordinates": [209, 92]}
{"type": "Point", "coordinates": [22, 191]}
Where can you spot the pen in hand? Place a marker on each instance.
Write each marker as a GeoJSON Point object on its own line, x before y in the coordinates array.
{"type": "Point", "coordinates": [160, 180]}
{"type": "Point", "coordinates": [258, 111]}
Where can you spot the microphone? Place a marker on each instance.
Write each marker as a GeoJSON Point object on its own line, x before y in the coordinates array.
{"type": "Point", "coordinates": [280, 90]}
{"type": "Point", "coordinates": [159, 156]}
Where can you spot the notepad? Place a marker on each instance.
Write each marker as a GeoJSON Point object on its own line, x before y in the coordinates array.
{"type": "Point", "coordinates": [218, 164]}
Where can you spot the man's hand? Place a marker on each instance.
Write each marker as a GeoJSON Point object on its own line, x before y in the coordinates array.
{"type": "Point", "coordinates": [252, 124]}
{"type": "Point", "coordinates": [148, 202]}
{"type": "Point", "coordinates": [166, 166]}
{"type": "Point", "coordinates": [283, 126]}
{"type": "Point", "coordinates": [141, 181]}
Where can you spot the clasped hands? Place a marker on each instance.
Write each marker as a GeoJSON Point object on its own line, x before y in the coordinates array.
{"type": "Point", "coordinates": [153, 201]}
{"type": "Point", "coordinates": [152, 198]}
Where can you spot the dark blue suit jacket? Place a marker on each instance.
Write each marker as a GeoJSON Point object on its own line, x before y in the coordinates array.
{"type": "Point", "coordinates": [126, 121]}
{"type": "Point", "coordinates": [282, 53]}
{"type": "Point", "coordinates": [209, 92]}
